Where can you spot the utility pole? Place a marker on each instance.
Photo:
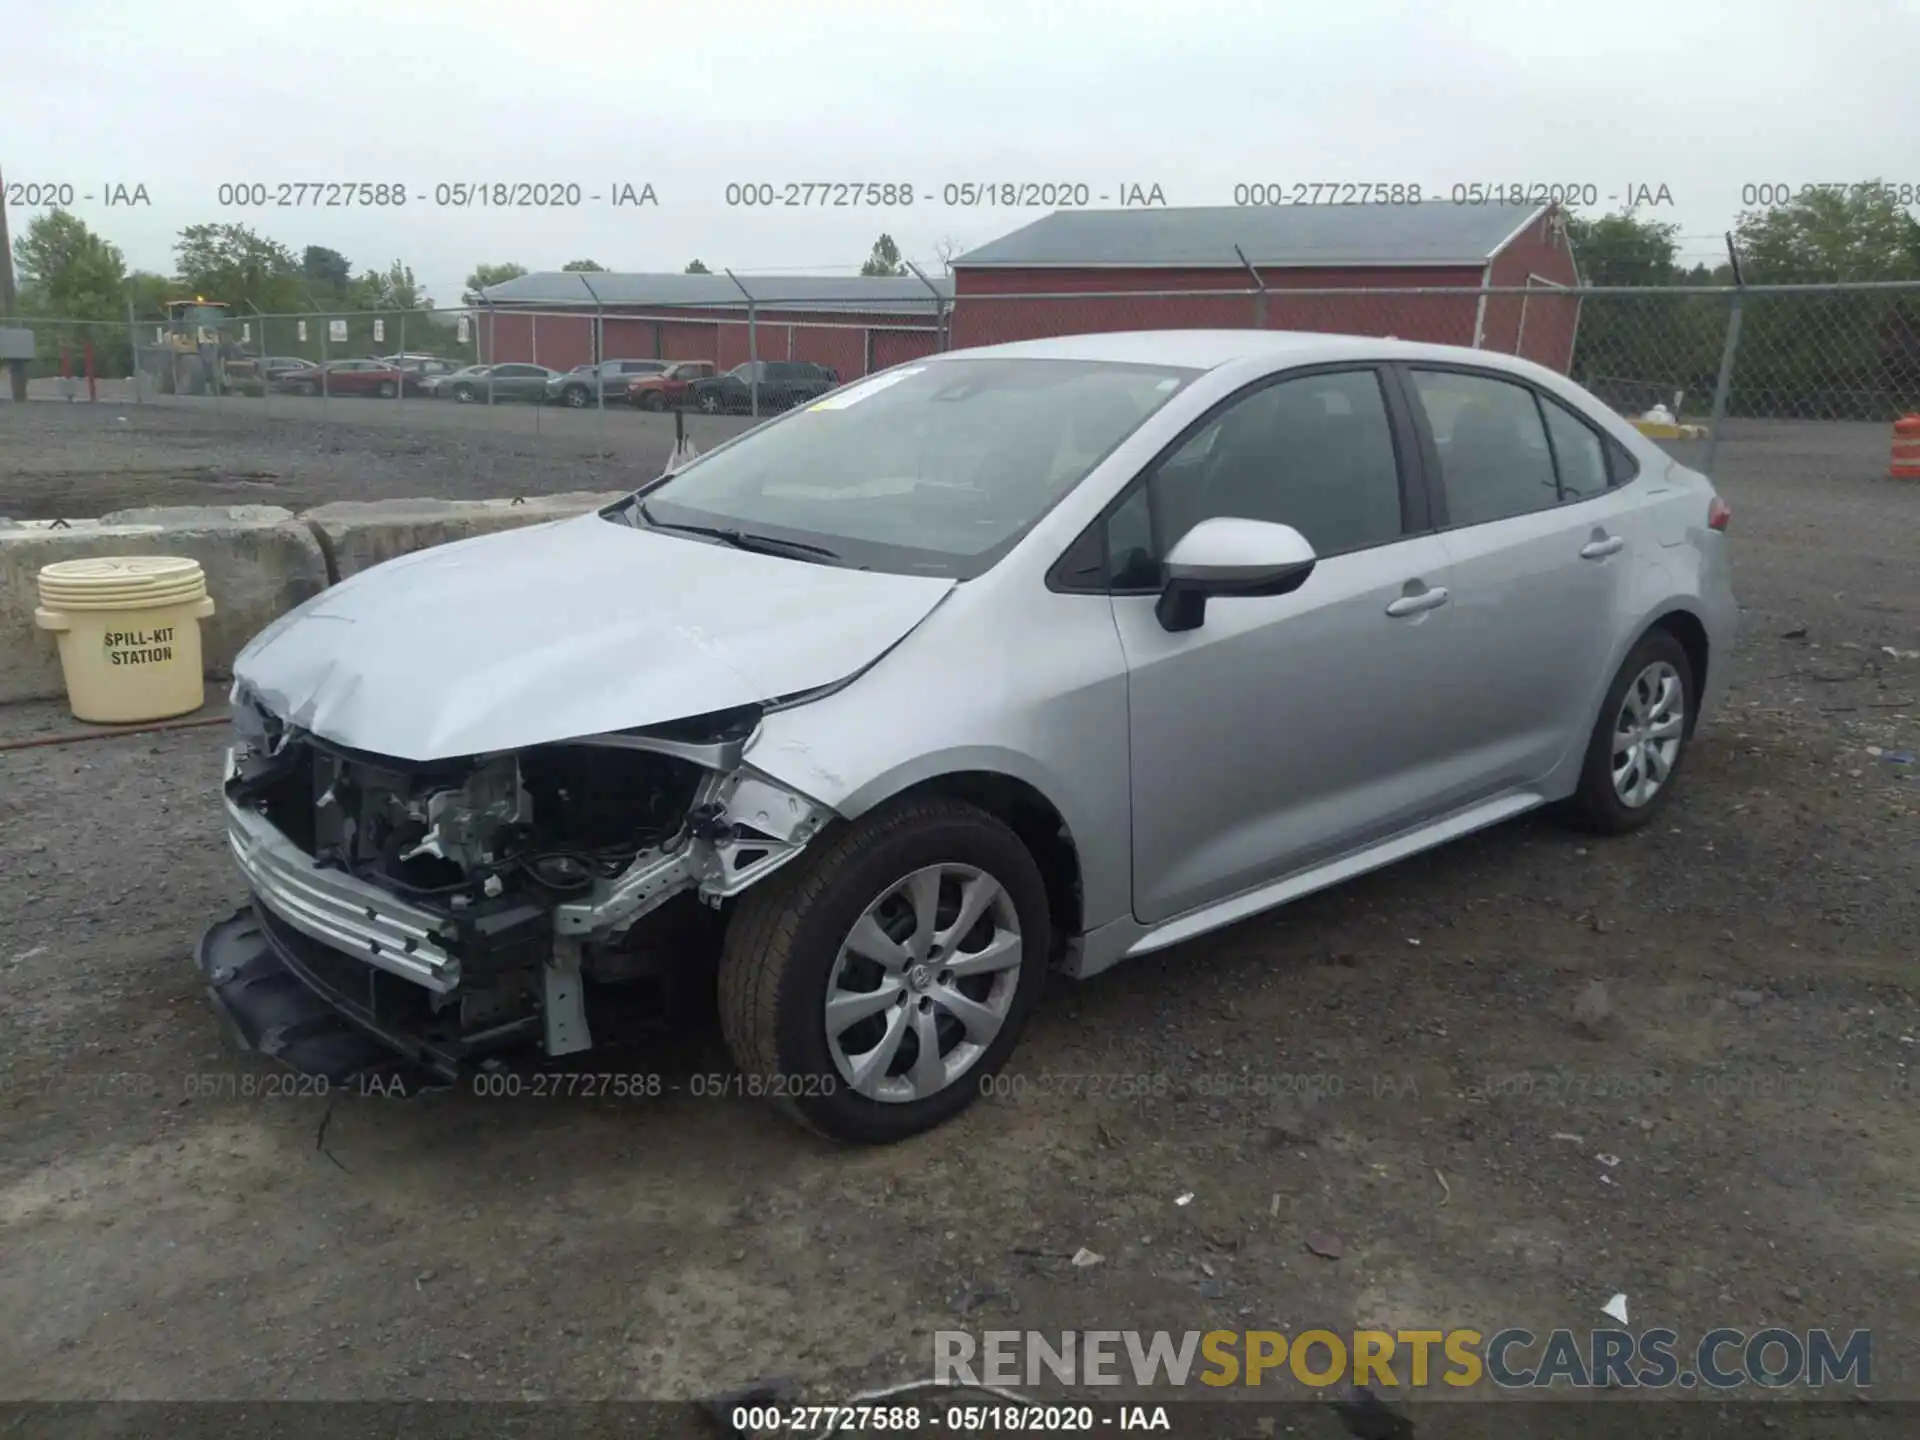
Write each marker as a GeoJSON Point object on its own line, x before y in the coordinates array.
{"type": "Point", "coordinates": [6, 257]}
{"type": "Point", "coordinates": [16, 369]}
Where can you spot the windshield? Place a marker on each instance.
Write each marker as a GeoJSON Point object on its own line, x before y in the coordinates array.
{"type": "Point", "coordinates": [928, 469]}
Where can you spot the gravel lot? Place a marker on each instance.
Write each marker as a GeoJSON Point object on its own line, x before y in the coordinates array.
{"type": "Point", "coordinates": [1753, 1070]}
{"type": "Point", "coordinates": [59, 459]}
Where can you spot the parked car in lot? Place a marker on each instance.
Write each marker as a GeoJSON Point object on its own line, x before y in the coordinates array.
{"type": "Point", "coordinates": [783, 384]}
{"type": "Point", "coordinates": [347, 377]}
{"type": "Point", "coordinates": [584, 384]}
{"type": "Point", "coordinates": [426, 367]}
{"type": "Point", "coordinates": [479, 384]}
{"type": "Point", "coordinates": [272, 365]}
{"type": "Point", "coordinates": [463, 380]}
{"type": "Point", "coordinates": [670, 389]}
{"type": "Point", "coordinates": [1034, 657]}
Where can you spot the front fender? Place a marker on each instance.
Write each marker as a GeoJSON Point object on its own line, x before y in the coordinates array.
{"type": "Point", "coordinates": [951, 700]}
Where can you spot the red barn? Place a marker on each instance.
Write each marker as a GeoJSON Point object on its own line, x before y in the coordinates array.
{"type": "Point", "coordinates": [1151, 269]}
{"type": "Point", "coordinates": [855, 324]}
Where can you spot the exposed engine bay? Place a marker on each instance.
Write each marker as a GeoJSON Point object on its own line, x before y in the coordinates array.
{"type": "Point", "coordinates": [459, 905]}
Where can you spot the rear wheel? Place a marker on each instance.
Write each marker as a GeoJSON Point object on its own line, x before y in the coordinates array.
{"type": "Point", "coordinates": [1634, 753]}
{"type": "Point", "coordinates": [871, 990]}
{"type": "Point", "coordinates": [710, 402]}
{"type": "Point", "coordinates": [463, 394]}
{"type": "Point", "coordinates": [652, 400]}
{"type": "Point", "coordinates": [388, 390]}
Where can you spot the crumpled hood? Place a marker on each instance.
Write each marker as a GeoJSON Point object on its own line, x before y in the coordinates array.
{"type": "Point", "coordinates": [567, 629]}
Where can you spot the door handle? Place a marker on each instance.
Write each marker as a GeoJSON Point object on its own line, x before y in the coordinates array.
{"type": "Point", "coordinates": [1431, 599]}
{"type": "Point", "coordinates": [1600, 549]}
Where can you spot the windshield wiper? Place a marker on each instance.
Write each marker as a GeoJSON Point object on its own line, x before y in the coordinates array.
{"type": "Point", "coordinates": [741, 540]}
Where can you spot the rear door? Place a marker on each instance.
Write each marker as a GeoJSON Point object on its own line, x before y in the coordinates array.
{"type": "Point", "coordinates": [520, 382]}
{"type": "Point", "coordinates": [1543, 552]}
{"type": "Point", "coordinates": [1289, 729]}
{"type": "Point", "coordinates": [740, 381]}
{"type": "Point", "coordinates": [776, 385]}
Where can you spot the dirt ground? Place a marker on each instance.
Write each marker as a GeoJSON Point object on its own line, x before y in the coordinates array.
{"type": "Point", "coordinates": [1752, 1082]}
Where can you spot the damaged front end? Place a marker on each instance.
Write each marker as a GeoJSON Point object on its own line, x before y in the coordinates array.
{"type": "Point", "coordinates": [448, 910]}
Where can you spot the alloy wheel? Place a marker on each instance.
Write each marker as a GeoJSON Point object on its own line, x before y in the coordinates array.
{"type": "Point", "coordinates": [1647, 733]}
{"type": "Point", "coordinates": [923, 983]}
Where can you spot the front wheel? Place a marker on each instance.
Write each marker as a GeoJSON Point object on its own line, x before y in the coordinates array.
{"type": "Point", "coordinates": [709, 402]}
{"type": "Point", "coordinates": [388, 390]}
{"type": "Point", "coordinates": [575, 397]}
{"type": "Point", "coordinates": [874, 988]}
{"type": "Point", "coordinates": [653, 400]}
{"type": "Point", "coordinates": [463, 394]}
{"type": "Point", "coordinates": [1634, 754]}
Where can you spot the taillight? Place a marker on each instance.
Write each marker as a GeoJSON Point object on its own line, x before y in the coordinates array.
{"type": "Point", "coordinates": [1718, 515]}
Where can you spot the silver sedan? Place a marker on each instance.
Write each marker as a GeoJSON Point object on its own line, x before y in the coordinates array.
{"type": "Point", "coordinates": [1037, 657]}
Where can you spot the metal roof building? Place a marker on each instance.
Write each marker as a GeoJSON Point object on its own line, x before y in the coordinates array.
{"type": "Point", "coordinates": [1297, 267]}
{"type": "Point", "coordinates": [571, 289]}
{"type": "Point", "coordinates": [1340, 268]}
{"type": "Point", "coordinates": [854, 323]}
{"type": "Point", "coordinates": [1435, 233]}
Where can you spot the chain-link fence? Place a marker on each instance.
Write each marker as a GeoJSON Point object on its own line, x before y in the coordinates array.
{"type": "Point", "coordinates": [1815, 371]}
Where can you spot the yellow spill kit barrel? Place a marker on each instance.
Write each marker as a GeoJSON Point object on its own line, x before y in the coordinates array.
{"type": "Point", "coordinates": [128, 628]}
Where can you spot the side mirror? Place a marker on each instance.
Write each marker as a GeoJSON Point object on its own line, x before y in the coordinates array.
{"type": "Point", "coordinates": [1230, 557]}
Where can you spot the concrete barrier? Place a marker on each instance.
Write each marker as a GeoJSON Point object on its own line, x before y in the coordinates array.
{"type": "Point", "coordinates": [359, 534]}
{"type": "Point", "coordinates": [256, 569]}
{"type": "Point", "coordinates": [260, 561]}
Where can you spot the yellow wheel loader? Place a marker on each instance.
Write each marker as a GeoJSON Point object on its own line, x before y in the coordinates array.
{"type": "Point", "coordinates": [193, 352]}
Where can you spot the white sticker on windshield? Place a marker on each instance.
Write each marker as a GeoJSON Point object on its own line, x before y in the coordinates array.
{"type": "Point", "coordinates": [854, 394]}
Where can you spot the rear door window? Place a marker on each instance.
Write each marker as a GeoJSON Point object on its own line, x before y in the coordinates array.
{"type": "Point", "coordinates": [1577, 454]}
{"type": "Point", "coordinates": [1495, 461]}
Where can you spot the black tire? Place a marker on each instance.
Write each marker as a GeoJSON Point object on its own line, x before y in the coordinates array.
{"type": "Point", "coordinates": [1596, 805]}
{"type": "Point", "coordinates": [652, 400]}
{"type": "Point", "coordinates": [576, 397]}
{"type": "Point", "coordinates": [306, 387]}
{"type": "Point", "coordinates": [388, 390]}
{"type": "Point", "coordinates": [709, 402]}
{"type": "Point", "coordinates": [463, 394]}
{"type": "Point", "coordinates": [782, 942]}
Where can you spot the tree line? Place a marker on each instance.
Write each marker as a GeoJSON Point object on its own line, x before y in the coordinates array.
{"type": "Point", "coordinates": [1845, 356]}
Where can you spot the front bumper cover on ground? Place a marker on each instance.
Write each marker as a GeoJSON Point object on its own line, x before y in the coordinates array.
{"type": "Point", "coordinates": [269, 1002]}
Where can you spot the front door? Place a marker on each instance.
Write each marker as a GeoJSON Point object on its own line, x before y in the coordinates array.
{"type": "Point", "coordinates": [1290, 729]}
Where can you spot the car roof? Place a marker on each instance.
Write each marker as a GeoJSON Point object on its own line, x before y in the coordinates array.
{"type": "Point", "coordinates": [1210, 349]}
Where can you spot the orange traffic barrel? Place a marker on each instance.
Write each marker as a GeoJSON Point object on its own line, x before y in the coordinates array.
{"type": "Point", "coordinates": [1906, 449]}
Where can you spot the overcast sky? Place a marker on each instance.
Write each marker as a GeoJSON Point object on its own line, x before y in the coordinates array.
{"type": "Point", "coordinates": [1196, 97]}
